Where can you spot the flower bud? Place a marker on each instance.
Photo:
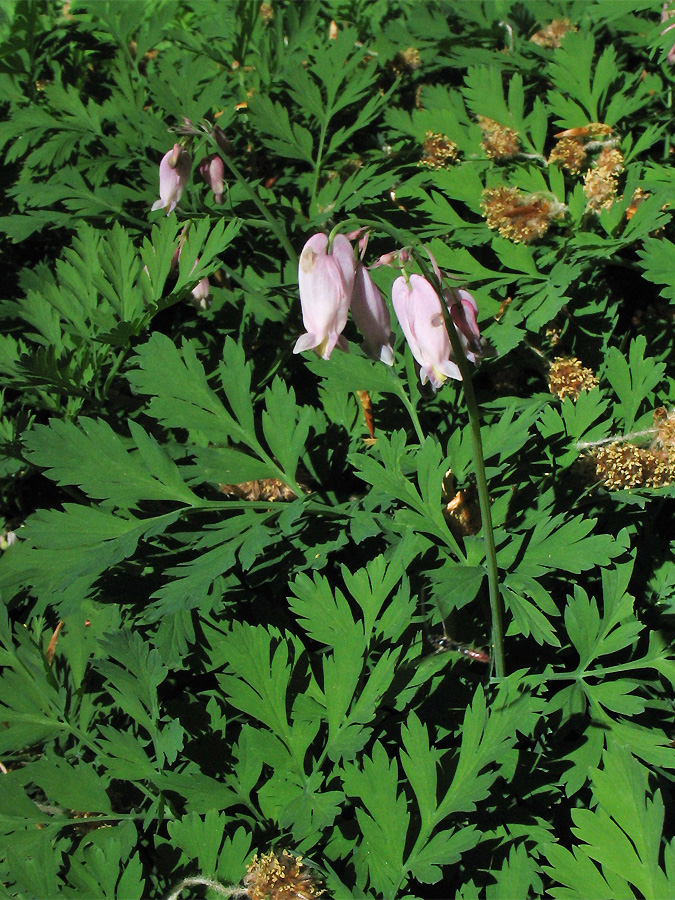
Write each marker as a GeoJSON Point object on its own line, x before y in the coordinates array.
{"type": "Point", "coordinates": [326, 281]}
{"type": "Point", "coordinates": [420, 314]}
{"type": "Point", "coordinates": [212, 169]}
{"type": "Point", "coordinates": [174, 171]}
{"type": "Point", "coordinates": [371, 316]}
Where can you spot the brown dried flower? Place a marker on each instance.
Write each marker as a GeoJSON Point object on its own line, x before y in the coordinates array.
{"type": "Point", "coordinates": [280, 876]}
{"type": "Point", "coordinates": [519, 217]}
{"type": "Point", "coordinates": [568, 378]}
{"type": "Point", "coordinates": [265, 489]}
{"type": "Point", "coordinates": [439, 151]}
{"type": "Point", "coordinates": [266, 12]}
{"type": "Point", "coordinates": [610, 162]}
{"type": "Point", "coordinates": [499, 142]}
{"type": "Point", "coordinates": [551, 35]}
{"type": "Point", "coordinates": [618, 465]}
{"type": "Point", "coordinates": [460, 508]}
{"type": "Point", "coordinates": [569, 154]}
{"type": "Point", "coordinates": [639, 196]}
{"type": "Point", "coordinates": [592, 130]}
{"type": "Point", "coordinates": [601, 189]}
{"type": "Point", "coordinates": [405, 62]}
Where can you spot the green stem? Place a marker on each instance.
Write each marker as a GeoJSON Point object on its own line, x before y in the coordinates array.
{"type": "Point", "coordinates": [476, 440]}
{"type": "Point", "coordinates": [273, 223]}
{"type": "Point", "coordinates": [317, 164]}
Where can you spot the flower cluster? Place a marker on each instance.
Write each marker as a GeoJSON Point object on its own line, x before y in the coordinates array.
{"type": "Point", "coordinates": [568, 378]}
{"type": "Point", "coordinates": [619, 465]}
{"type": "Point", "coordinates": [551, 36]}
{"type": "Point", "coordinates": [332, 281]}
{"type": "Point", "coordinates": [280, 876]}
{"type": "Point", "coordinates": [499, 142]}
{"type": "Point", "coordinates": [517, 216]}
{"type": "Point", "coordinates": [176, 166]}
{"type": "Point", "coordinates": [439, 151]}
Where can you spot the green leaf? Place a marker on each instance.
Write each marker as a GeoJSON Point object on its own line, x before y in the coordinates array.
{"type": "Point", "coordinates": [382, 817]}
{"type": "Point", "coordinates": [73, 455]}
{"type": "Point", "coordinates": [634, 379]}
{"type": "Point", "coordinates": [76, 787]}
{"type": "Point", "coordinates": [657, 258]}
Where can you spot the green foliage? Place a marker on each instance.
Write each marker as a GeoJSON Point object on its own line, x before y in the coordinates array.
{"type": "Point", "coordinates": [221, 563]}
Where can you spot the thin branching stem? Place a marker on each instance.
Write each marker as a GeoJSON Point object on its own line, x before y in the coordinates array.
{"type": "Point", "coordinates": [274, 224]}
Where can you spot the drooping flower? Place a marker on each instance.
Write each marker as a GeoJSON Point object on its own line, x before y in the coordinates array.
{"type": "Point", "coordinates": [420, 314]}
{"type": "Point", "coordinates": [174, 171]}
{"type": "Point", "coordinates": [372, 316]}
{"type": "Point", "coordinates": [212, 169]}
{"type": "Point", "coordinates": [201, 294]}
{"type": "Point", "coordinates": [326, 282]}
{"type": "Point", "coordinates": [464, 309]}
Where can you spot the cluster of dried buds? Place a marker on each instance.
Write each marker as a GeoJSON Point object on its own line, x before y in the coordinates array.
{"type": "Point", "coordinates": [272, 876]}
{"type": "Point", "coordinates": [600, 179]}
{"type": "Point", "coordinates": [517, 216]}
{"type": "Point", "coordinates": [552, 34]}
{"type": "Point", "coordinates": [620, 465]}
{"type": "Point", "coordinates": [567, 377]}
{"type": "Point", "coordinates": [333, 281]}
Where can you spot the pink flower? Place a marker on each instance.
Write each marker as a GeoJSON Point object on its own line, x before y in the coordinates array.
{"type": "Point", "coordinates": [326, 282]}
{"type": "Point", "coordinates": [463, 309]}
{"type": "Point", "coordinates": [667, 13]}
{"type": "Point", "coordinates": [201, 294]}
{"type": "Point", "coordinates": [372, 316]}
{"type": "Point", "coordinates": [174, 171]}
{"type": "Point", "coordinates": [419, 311]}
{"type": "Point", "coordinates": [213, 172]}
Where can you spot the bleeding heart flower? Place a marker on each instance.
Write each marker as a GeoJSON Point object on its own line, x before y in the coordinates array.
{"type": "Point", "coordinates": [372, 316]}
{"type": "Point", "coordinates": [213, 173]}
{"type": "Point", "coordinates": [463, 309]}
{"type": "Point", "coordinates": [174, 171]}
{"type": "Point", "coordinates": [420, 314]}
{"type": "Point", "coordinates": [326, 281]}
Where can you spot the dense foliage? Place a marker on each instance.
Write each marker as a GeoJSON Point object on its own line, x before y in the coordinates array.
{"type": "Point", "coordinates": [223, 562]}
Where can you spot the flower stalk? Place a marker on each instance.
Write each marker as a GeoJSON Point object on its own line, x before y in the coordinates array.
{"type": "Point", "coordinates": [459, 353]}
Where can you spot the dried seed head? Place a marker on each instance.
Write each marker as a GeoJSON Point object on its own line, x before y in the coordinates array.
{"type": "Point", "coordinates": [600, 188]}
{"type": "Point", "coordinates": [405, 62]}
{"type": "Point", "coordinates": [462, 514]}
{"type": "Point", "coordinates": [552, 34]}
{"type": "Point", "coordinates": [265, 489]}
{"type": "Point", "coordinates": [519, 217]}
{"type": "Point", "coordinates": [664, 440]}
{"type": "Point", "coordinates": [609, 162]}
{"type": "Point", "coordinates": [569, 154]}
{"type": "Point", "coordinates": [568, 378]}
{"type": "Point", "coordinates": [280, 876]}
{"type": "Point", "coordinates": [266, 12]}
{"type": "Point", "coordinates": [639, 196]}
{"type": "Point", "coordinates": [659, 469]}
{"type": "Point", "coordinates": [499, 142]}
{"type": "Point", "coordinates": [618, 465]}
{"type": "Point", "coordinates": [439, 151]}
